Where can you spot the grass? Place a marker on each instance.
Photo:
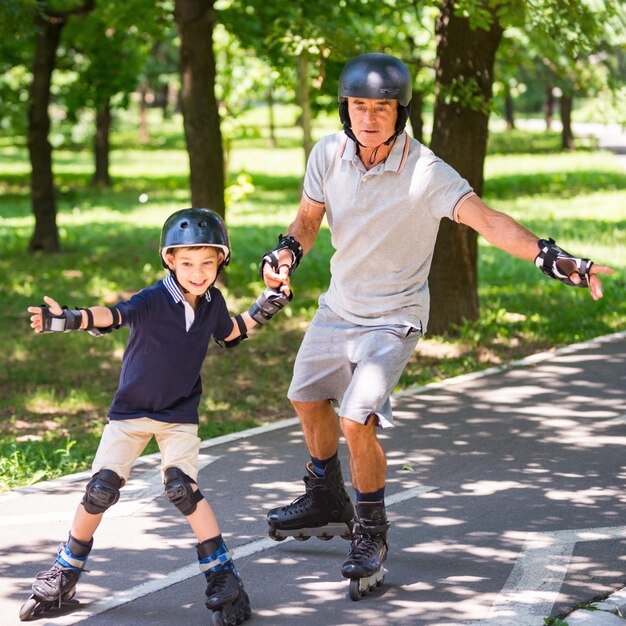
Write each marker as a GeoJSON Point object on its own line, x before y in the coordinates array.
{"type": "Point", "coordinates": [55, 389]}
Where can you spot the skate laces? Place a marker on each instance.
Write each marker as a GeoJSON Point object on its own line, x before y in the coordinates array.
{"type": "Point", "coordinates": [217, 580]}
{"type": "Point", "coordinates": [56, 576]}
{"type": "Point", "coordinates": [301, 503]}
{"type": "Point", "coordinates": [364, 546]}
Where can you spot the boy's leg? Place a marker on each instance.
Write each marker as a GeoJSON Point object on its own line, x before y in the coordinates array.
{"type": "Point", "coordinates": [117, 451]}
{"type": "Point", "coordinates": [180, 445]}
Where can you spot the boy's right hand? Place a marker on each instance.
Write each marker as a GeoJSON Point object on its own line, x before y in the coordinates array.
{"type": "Point", "coordinates": [53, 318]}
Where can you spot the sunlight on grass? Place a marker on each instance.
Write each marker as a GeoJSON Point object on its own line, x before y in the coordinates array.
{"type": "Point", "coordinates": [55, 389]}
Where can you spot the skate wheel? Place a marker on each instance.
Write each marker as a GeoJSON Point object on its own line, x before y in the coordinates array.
{"type": "Point", "coordinates": [302, 537]}
{"type": "Point", "coordinates": [355, 589]}
{"type": "Point", "coordinates": [273, 533]}
{"type": "Point", "coordinates": [325, 537]}
{"type": "Point", "coordinates": [29, 608]}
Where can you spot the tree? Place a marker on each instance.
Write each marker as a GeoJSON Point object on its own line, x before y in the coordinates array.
{"type": "Point", "coordinates": [468, 35]}
{"type": "Point", "coordinates": [108, 51]}
{"type": "Point", "coordinates": [464, 75]}
{"type": "Point", "coordinates": [196, 20]}
{"type": "Point", "coordinates": [50, 22]}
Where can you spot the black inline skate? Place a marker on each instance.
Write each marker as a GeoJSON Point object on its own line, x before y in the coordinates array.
{"type": "Point", "coordinates": [323, 511]}
{"type": "Point", "coordinates": [226, 598]}
{"type": "Point", "coordinates": [368, 550]}
{"type": "Point", "coordinates": [57, 586]}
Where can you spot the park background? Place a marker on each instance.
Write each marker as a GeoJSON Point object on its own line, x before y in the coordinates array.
{"type": "Point", "coordinates": [113, 115]}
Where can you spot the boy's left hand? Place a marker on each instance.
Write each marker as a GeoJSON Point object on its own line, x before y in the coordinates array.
{"type": "Point", "coordinates": [36, 320]}
{"type": "Point", "coordinates": [53, 318]}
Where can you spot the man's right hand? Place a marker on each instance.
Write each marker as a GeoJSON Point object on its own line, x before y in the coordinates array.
{"type": "Point", "coordinates": [276, 279]}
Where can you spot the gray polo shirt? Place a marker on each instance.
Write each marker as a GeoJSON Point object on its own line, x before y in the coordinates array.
{"type": "Point", "coordinates": [384, 225]}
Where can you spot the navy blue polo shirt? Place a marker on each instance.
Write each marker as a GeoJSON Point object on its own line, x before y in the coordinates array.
{"type": "Point", "coordinates": [160, 375]}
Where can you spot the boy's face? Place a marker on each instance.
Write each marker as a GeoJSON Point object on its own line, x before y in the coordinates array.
{"type": "Point", "coordinates": [195, 268]}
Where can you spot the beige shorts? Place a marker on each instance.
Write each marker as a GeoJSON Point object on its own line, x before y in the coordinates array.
{"type": "Point", "coordinates": [123, 441]}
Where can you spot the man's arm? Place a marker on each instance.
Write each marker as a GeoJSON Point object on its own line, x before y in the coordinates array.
{"type": "Point", "coordinates": [304, 230]}
{"type": "Point", "coordinates": [503, 232]}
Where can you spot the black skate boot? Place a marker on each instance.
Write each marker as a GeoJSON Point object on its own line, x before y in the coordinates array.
{"type": "Point", "coordinates": [323, 511]}
{"type": "Point", "coordinates": [368, 550]}
{"type": "Point", "coordinates": [225, 596]}
{"type": "Point", "coordinates": [57, 585]}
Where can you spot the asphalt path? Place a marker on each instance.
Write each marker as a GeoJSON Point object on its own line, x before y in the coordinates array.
{"type": "Point", "coordinates": [505, 493]}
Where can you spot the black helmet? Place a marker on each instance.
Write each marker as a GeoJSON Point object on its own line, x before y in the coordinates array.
{"type": "Point", "coordinates": [377, 76]}
{"type": "Point", "coordinates": [195, 227]}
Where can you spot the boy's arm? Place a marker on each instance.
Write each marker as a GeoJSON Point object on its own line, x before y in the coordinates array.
{"type": "Point", "coordinates": [266, 306]}
{"type": "Point", "coordinates": [53, 318]}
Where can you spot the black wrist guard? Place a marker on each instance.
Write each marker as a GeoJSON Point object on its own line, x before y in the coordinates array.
{"type": "Point", "coordinates": [64, 323]}
{"type": "Point", "coordinates": [560, 265]}
{"type": "Point", "coordinates": [268, 304]}
{"type": "Point", "coordinates": [271, 257]}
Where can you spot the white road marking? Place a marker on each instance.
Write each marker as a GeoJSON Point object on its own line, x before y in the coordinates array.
{"type": "Point", "coordinates": [137, 493]}
{"type": "Point", "coordinates": [288, 423]}
{"type": "Point", "coordinates": [537, 576]}
{"type": "Point", "coordinates": [183, 573]}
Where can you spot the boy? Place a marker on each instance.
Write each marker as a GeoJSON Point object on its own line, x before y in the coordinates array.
{"type": "Point", "coordinates": [171, 323]}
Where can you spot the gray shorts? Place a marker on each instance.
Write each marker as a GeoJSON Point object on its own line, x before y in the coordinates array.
{"type": "Point", "coordinates": [355, 367]}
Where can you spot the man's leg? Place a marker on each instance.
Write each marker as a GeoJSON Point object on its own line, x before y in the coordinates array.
{"type": "Point", "coordinates": [368, 548]}
{"type": "Point", "coordinates": [368, 464]}
{"type": "Point", "coordinates": [320, 427]}
{"type": "Point", "coordinates": [325, 509]}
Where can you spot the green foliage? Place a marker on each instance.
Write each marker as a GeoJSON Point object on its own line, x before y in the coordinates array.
{"type": "Point", "coordinates": [554, 621]}
{"type": "Point", "coordinates": [55, 389]}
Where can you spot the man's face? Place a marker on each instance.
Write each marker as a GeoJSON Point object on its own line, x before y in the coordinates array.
{"type": "Point", "coordinates": [373, 121]}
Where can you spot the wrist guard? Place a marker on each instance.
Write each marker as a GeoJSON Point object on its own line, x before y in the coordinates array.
{"type": "Point", "coordinates": [560, 265]}
{"type": "Point", "coordinates": [271, 257]}
{"type": "Point", "coordinates": [268, 304]}
{"type": "Point", "coordinates": [64, 323]}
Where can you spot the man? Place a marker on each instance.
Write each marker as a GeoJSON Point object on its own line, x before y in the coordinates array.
{"type": "Point", "coordinates": [383, 194]}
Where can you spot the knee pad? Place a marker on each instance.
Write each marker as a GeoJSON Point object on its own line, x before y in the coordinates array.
{"type": "Point", "coordinates": [178, 491]}
{"type": "Point", "coordinates": [103, 491]}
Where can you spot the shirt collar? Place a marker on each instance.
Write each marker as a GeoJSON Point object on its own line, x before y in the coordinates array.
{"type": "Point", "coordinates": [395, 161]}
{"type": "Point", "coordinates": [177, 295]}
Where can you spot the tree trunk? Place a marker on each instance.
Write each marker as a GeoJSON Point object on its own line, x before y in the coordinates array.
{"type": "Point", "coordinates": [464, 56]}
{"type": "Point", "coordinates": [144, 127]}
{"type": "Point", "coordinates": [567, 136]}
{"type": "Point", "coordinates": [270, 108]}
{"type": "Point", "coordinates": [548, 107]}
{"type": "Point", "coordinates": [101, 145]}
{"type": "Point", "coordinates": [415, 115]}
{"type": "Point", "coordinates": [45, 237]}
{"type": "Point", "coordinates": [303, 97]}
{"type": "Point", "coordinates": [196, 20]}
{"type": "Point", "coordinates": [509, 110]}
